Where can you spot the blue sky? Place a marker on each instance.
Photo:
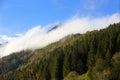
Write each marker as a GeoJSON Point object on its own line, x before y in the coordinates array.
{"type": "Point", "coordinates": [18, 16]}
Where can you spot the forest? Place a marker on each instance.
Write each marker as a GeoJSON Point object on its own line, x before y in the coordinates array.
{"type": "Point", "coordinates": [94, 55]}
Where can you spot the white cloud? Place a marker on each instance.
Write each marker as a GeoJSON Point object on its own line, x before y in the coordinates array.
{"type": "Point", "coordinates": [37, 37]}
{"type": "Point", "coordinates": [19, 34]}
{"type": "Point", "coordinates": [5, 38]}
{"type": "Point", "coordinates": [92, 5]}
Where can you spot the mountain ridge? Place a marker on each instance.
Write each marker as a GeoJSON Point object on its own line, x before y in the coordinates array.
{"type": "Point", "coordinates": [55, 27]}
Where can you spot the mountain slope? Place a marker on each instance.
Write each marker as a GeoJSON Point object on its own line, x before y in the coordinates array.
{"type": "Point", "coordinates": [91, 56]}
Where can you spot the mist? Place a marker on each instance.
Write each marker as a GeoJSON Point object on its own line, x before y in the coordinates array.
{"type": "Point", "coordinates": [39, 37]}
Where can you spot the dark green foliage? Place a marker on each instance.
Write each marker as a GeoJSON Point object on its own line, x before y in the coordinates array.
{"type": "Point", "coordinates": [115, 66]}
{"type": "Point", "coordinates": [96, 53]}
{"type": "Point", "coordinates": [11, 62]}
{"type": "Point", "coordinates": [57, 64]}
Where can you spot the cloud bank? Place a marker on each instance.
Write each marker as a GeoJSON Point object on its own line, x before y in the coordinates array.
{"type": "Point", "coordinates": [37, 37]}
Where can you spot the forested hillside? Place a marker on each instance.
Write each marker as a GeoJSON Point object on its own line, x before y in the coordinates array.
{"type": "Point", "coordinates": [94, 55]}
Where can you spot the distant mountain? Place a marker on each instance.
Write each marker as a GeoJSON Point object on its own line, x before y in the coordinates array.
{"type": "Point", "coordinates": [57, 26]}
{"type": "Point", "coordinates": [94, 55]}
{"type": "Point", "coordinates": [2, 44]}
